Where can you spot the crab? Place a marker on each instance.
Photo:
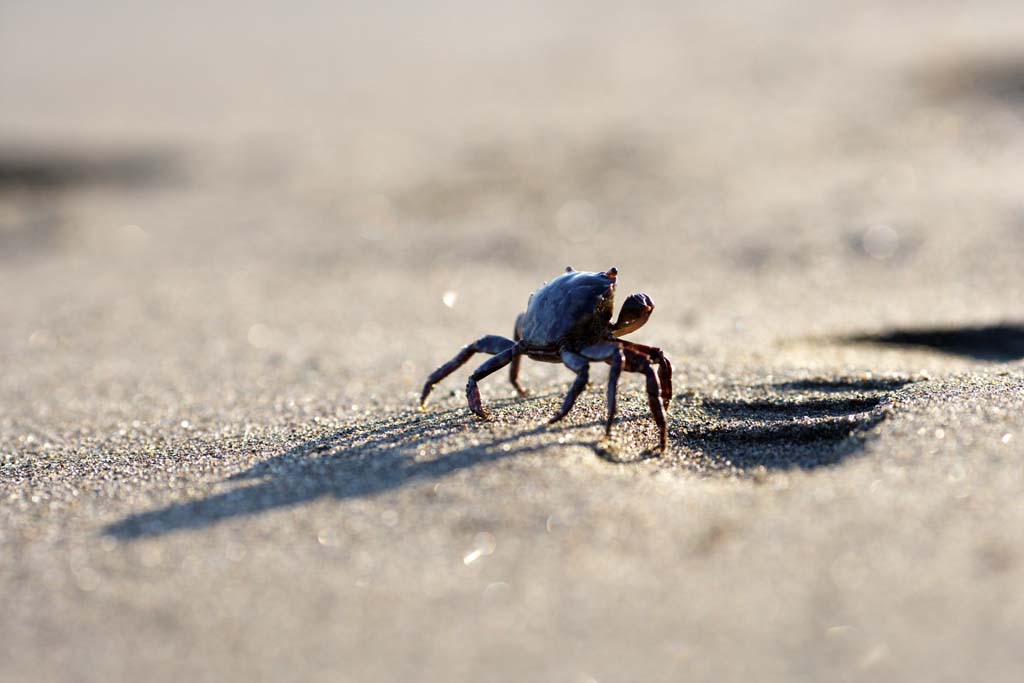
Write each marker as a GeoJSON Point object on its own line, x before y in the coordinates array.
{"type": "Point", "coordinates": [568, 320]}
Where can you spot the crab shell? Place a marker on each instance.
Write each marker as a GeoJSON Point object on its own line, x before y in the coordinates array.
{"type": "Point", "coordinates": [574, 309]}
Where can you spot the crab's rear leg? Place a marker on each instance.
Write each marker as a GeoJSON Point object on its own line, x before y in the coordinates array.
{"type": "Point", "coordinates": [513, 368]}
{"type": "Point", "coordinates": [492, 365]}
{"type": "Point", "coordinates": [492, 344]}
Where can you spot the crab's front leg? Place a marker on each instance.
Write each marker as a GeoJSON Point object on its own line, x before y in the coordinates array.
{"type": "Point", "coordinates": [664, 367]}
{"type": "Point", "coordinates": [611, 353]}
{"type": "Point", "coordinates": [635, 361]}
{"type": "Point", "coordinates": [581, 366]}
{"type": "Point", "coordinates": [624, 356]}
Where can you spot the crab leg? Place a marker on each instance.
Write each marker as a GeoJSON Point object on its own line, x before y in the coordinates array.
{"type": "Point", "coordinates": [492, 344]}
{"type": "Point", "coordinates": [610, 352]}
{"type": "Point", "coordinates": [581, 366]}
{"type": "Point", "coordinates": [513, 368]}
{"type": "Point", "coordinates": [638, 362]}
{"type": "Point", "coordinates": [613, 389]}
{"type": "Point", "coordinates": [492, 365]}
{"type": "Point", "coordinates": [664, 367]}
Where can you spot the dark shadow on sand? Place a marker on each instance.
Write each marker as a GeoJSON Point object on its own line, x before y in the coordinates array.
{"type": "Point", "coordinates": [34, 179]}
{"type": "Point", "coordinates": [1003, 342]}
{"type": "Point", "coordinates": [993, 77]}
{"type": "Point", "coordinates": [831, 385]}
{"type": "Point", "coordinates": [359, 461]}
{"type": "Point", "coordinates": [53, 169]}
{"type": "Point", "coordinates": [804, 424]}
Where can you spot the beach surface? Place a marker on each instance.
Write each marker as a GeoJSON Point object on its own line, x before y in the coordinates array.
{"type": "Point", "coordinates": [235, 240]}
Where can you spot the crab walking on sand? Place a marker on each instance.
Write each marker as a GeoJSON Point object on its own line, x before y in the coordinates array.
{"type": "Point", "coordinates": [568, 320]}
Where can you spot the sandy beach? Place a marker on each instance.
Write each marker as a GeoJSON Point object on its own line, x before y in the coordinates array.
{"type": "Point", "coordinates": [235, 240]}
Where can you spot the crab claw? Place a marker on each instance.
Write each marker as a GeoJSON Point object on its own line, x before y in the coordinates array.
{"type": "Point", "coordinates": [612, 272]}
{"type": "Point", "coordinates": [635, 312]}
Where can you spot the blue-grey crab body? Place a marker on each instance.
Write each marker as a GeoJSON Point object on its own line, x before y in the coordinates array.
{"type": "Point", "coordinates": [572, 310]}
{"type": "Point", "coordinates": [569, 320]}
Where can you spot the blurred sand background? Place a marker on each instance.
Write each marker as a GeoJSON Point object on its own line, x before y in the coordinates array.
{"type": "Point", "coordinates": [236, 237]}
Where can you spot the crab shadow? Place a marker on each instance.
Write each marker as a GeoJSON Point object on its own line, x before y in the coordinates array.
{"type": "Point", "coordinates": [355, 462]}
{"type": "Point", "coordinates": [805, 424]}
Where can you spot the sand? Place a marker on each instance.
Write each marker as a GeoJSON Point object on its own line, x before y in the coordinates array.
{"type": "Point", "coordinates": [234, 243]}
